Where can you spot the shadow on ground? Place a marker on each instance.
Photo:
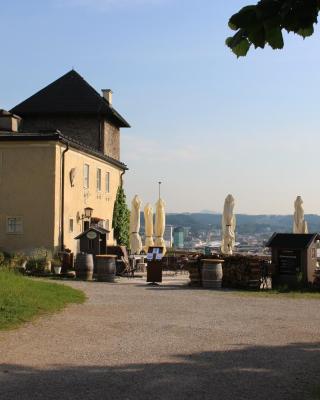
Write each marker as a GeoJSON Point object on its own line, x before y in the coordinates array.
{"type": "Point", "coordinates": [282, 372]}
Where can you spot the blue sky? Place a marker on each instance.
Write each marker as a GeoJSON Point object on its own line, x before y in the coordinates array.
{"type": "Point", "coordinates": [203, 122]}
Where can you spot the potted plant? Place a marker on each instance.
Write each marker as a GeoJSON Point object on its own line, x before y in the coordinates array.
{"type": "Point", "coordinates": [56, 265]}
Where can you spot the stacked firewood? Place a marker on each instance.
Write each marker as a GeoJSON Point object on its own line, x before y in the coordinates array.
{"type": "Point", "coordinates": [239, 271]}
{"type": "Point", "coordinates": [316, 282]}
{"type": "Point", "coordinates": [245, 271]}
{"type": "Point", "coordinates": [194, 267]}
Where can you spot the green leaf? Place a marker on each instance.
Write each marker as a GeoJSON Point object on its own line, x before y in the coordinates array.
{"type": "Point", "coordinates": [274, 38]}
{"type": "Point", "coordinates": [241, 48]}
{"type": "Point", "coordinates": [232, 26]}
{"type": "Point", "coordinates": [305, 32]}
{"type": "Point", "coordinates": [257, 37]}
{"type": "Point", "coordinates": [246, 16]}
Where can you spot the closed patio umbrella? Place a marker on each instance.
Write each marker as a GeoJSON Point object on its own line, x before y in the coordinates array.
{"type": "Point", "coordinates": [299, 223]}
{"type": "Point", "coordinates": [148, 226]}
{"type": "Point", "coordinates": [160, 225]}
{"type": "Point", "coordinates": [135, 239]}
{"type": "Point", "coordinates": [228, 226]}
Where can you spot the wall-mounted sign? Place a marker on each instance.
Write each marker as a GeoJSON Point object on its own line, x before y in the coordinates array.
{"type": "Point", "coordinates": [72, 176]}
{"type": "Point", "coordinates": [91, 235]}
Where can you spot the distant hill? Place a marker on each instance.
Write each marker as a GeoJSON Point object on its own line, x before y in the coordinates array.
{"type": "Point", "coordinates": [245, 223]}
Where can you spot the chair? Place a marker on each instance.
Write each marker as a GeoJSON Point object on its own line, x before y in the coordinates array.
{"type": "Point", "coordinates": [122, 263]}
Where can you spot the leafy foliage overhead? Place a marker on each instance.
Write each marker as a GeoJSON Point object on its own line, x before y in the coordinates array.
{"type": "Point", "coordinates": [264, 23]}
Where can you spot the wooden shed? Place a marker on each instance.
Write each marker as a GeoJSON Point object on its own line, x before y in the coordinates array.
{"type": "Point", "coordinates": [93, 240]}
{"type": "Point", "coordinates": [294, 257]}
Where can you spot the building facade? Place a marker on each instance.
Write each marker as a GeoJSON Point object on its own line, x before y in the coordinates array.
{"type": "Point", "coordinates": [168, 236]}
{"type": "Point", "coordinates": [57, 159]}
{"type": "Point", "coordinates": [178, 238]}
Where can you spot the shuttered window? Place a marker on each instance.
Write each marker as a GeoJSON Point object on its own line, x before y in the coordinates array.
{"type": "Point", "coordinates": [15, 225]}
{"type": "Point", "coordinates": [98, 179]}
{"type": "Point", "coordinates": [86, 170]}
{"type": "Point", "coordinates": [107, 182]}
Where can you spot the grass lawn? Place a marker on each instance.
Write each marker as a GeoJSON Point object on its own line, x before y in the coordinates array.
{"type": "Point", "coordinates": [22, 298]}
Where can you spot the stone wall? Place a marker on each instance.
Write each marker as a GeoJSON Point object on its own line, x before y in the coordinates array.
{"type": "Point", "coordinates": [111, 142]}
{"type": "Point", "coordinates": [85, 129]}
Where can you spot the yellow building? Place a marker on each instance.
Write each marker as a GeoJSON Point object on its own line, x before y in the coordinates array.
{"type": "Point", "coordinates": [60, 157]}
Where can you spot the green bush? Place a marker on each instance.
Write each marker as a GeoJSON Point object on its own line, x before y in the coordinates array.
{"type": "Point", "coordinates": [17, 260]}
{"type": "Point", "coordinates": [56, 261]}
{"type": "Point", "coordinates": [121, 219]}
{"type": "Point", "coordinates": [2, 258]}
{"type": "Point", "coordinates": [38, 260]}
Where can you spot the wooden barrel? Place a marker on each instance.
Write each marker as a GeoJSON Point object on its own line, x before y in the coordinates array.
{"type": "Point", "coordinates": [106, 267]}
{"type": "Point", "coordinates": [212, 273]}
{"type": "Point", "coordinates": [84, 266]}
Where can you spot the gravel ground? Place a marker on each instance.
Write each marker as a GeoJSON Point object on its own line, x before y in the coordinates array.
{"type": "Point", "coordinates": [131, 341]}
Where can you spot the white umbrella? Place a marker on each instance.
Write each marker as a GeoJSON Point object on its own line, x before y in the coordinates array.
{"type": "Point", "coordinates": [135, 239]}
{"type": "Point", "coordinates": [160, 225]}
{"type": "Point", "coordinates": [299, 223]}
{"type": "Point", "coordinates": [228, 226]}
{"type": "Point", "coordinates": [148, 226]}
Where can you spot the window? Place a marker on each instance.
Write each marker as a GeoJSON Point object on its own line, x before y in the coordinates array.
{"type": "Point", "coordinates": [14, 225]}
{"type": "Point", "coordinates": [71, 225]}
{"type": "Point", "coordinates": [104, 224]}
{"type": "Point", "coordinates": [99, 180]}
{"type": "Point", "coordinates": [86, 171]}
{"type": "Point", "coordinates": [101, 223]}
{"type": "Point", "coordinates": [107, 182]}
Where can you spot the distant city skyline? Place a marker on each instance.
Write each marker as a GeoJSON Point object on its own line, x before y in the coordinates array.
{"type": "Point", "coordinates": [203, 122]}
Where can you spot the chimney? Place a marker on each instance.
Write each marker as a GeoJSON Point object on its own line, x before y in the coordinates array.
{"type": "Point", "coordinates": [107, 95]}
{"type": "Point", "coordinates": [9, 122]}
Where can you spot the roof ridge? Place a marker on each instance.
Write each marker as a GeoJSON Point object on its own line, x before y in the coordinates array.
{"type": "Point", "coordinates": [69, 94]}
{"type": "Point", "coordinates": [48, 86]}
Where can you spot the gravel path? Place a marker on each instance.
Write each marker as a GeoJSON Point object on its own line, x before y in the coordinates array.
{"type": "Point", "coordinates": [130, 341]}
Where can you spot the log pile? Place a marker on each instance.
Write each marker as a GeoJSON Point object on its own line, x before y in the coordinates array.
{"type": "Point", "coordinates": [194, 268]}
{"type": "Point", "coordinates": [244, 271]}
{"type": "Point", "coordinates": [316, 282]}
{"type": "Point", "coordinates": [239, 271]}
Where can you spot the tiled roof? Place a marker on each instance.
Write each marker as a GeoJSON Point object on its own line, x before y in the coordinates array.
{"type": "Point", "coordinates": [94, 229]}
{"type": "Point", "coordinates": [70, 94]}
{"type": "Point", "coordinates": [57, 136]}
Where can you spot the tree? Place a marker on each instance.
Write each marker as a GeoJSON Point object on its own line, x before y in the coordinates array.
{"type": "Point", "coordinates": [121, 219]}
{"type": "Point", "coordinates": [264, 23]}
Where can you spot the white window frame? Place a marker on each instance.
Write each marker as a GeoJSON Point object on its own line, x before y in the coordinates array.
{"type": "Point", "coordinates": [99, 178]}
{"type": "Point", "coordinates": [101, 223]}
{"type": "Point", "coordinates": [107, 182]}
{"type": "Point", "coordinates": [86, 176]}
{"type": "Point", "coordinates": [14, 231]}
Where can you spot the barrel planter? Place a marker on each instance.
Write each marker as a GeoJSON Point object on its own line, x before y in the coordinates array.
{"type": "Point", "coordinates": [106, 267]}
{"type": "Point", "coordinates": [212, 273]}
{"type": "Point", "coordinates": [84, 266]}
